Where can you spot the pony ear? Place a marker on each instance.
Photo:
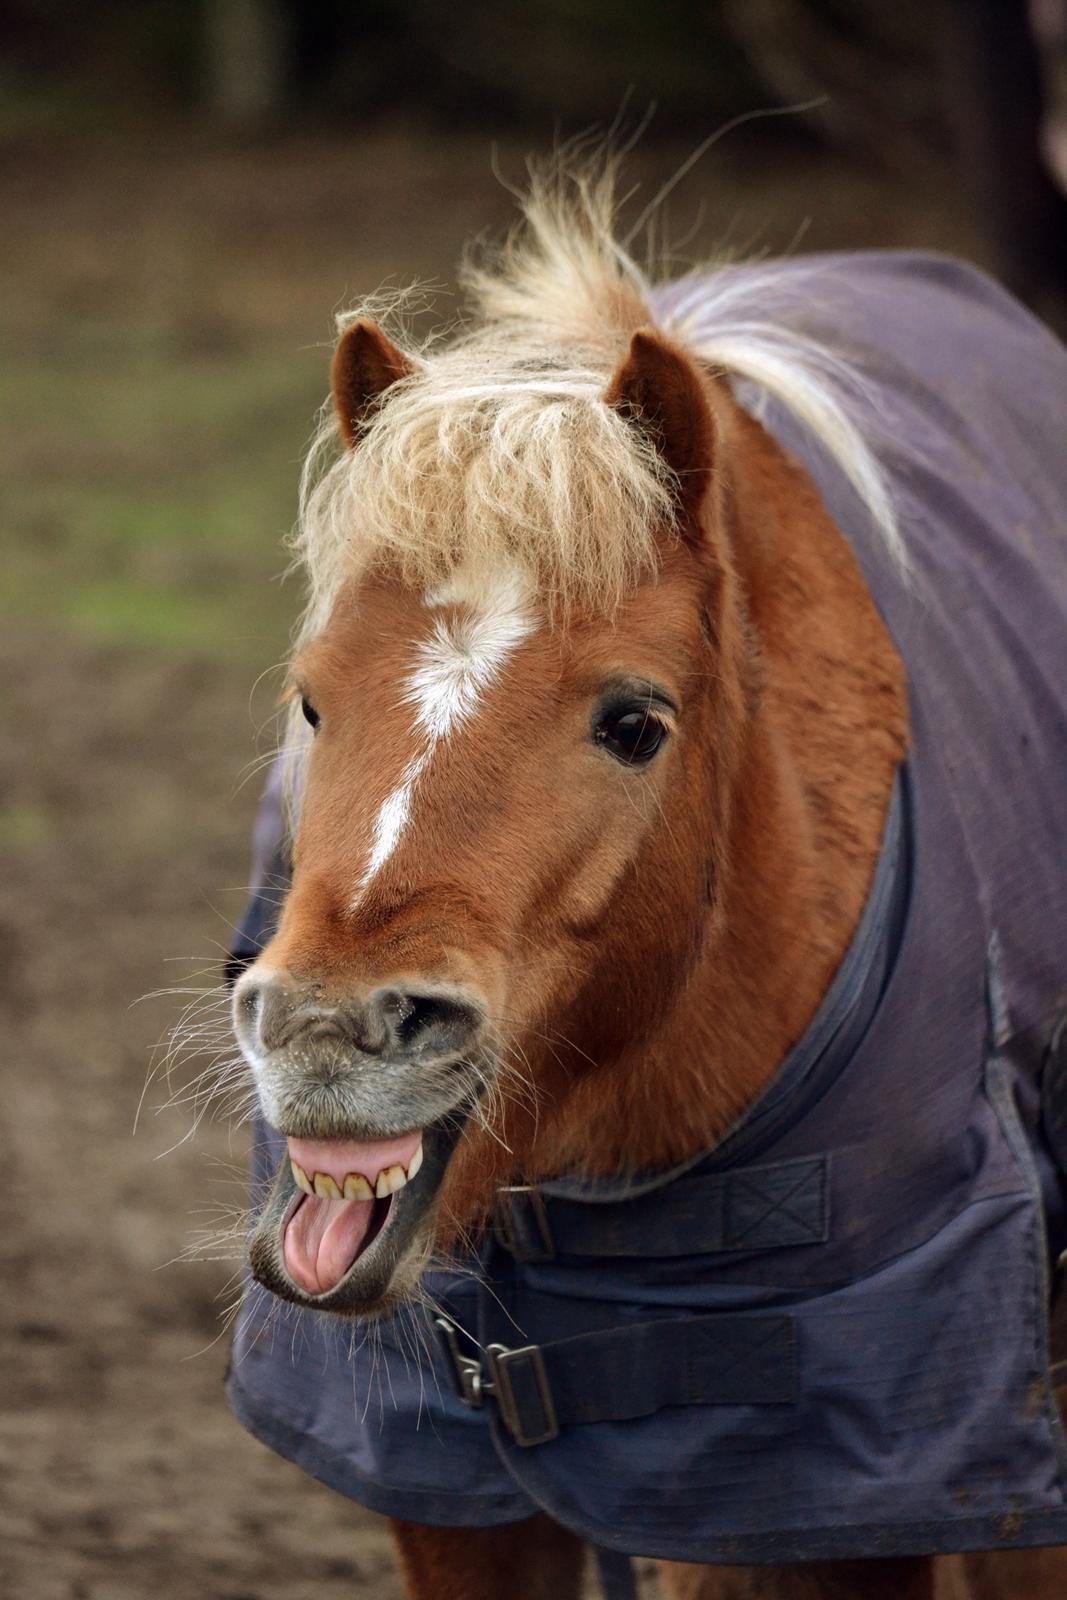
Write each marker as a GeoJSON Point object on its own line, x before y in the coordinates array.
{"type": "Point", "coordinates": [659, 389]}
{"type": "Point", "coordinates": [364, 365]}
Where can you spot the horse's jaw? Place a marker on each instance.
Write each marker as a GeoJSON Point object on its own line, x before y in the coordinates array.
{"type": "Point", "coordinates": [358, 1257]}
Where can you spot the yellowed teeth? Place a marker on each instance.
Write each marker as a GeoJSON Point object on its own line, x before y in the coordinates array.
{"type": "Point", "coordinates": [356, 1186]}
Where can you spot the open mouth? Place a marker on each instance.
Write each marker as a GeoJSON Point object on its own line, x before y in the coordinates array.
{"type": "Point", "coordinates": [344, 1214]}
{"type": "Point", "coordinates": [348, 1191]}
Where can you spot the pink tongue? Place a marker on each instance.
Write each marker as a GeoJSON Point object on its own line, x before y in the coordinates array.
{"type": "Point", "coordinates": [324, 1237]}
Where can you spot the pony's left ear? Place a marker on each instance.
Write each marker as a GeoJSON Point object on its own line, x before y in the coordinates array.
{"type": "Point", "coordinates": [659, 389]}
{"type": "Point", "coordinates": [365, 364]}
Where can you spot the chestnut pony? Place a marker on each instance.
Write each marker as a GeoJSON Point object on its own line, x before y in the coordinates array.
{"type": "Point", "coordinates": [605, 727]}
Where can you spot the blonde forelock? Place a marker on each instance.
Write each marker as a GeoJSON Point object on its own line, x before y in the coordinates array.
{"type": "Point", "coordinates": [499, 446]}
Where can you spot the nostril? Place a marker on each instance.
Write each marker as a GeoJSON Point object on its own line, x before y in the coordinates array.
{"type": "Point", "coordinates": [427, 1022]}
{"type": "Point", "coordinates": [421, 1012]}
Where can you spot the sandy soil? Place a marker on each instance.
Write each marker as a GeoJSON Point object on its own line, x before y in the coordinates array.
{"type": "Point", "coordinates": [123, 1474]}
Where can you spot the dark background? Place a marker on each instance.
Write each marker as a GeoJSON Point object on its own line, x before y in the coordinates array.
{"type": "Point", "coordinates": [188, 192]}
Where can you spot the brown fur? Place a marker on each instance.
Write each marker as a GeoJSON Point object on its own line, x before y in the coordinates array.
{"type": "Point", "coordinates": [365, 364]}
{"type": "Point", "coordinates": [660, 389]}
{"type": "Point", "coordinates": [534, 1560]}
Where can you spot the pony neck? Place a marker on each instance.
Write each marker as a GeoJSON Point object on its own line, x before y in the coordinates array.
{"type": "Point", "coordinates": [823, 740]}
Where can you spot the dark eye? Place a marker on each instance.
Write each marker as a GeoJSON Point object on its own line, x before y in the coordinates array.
{"type": "Point", "coordinates": [631, 736]}
{"type": "Point", "coordinates": [309, 711]}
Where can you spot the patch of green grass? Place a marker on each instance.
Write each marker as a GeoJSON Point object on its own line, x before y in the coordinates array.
{"type": "Point", "coordinates": [148, 490]}
{"type": "Point", "coordinates": [226, 624]}
{"type": "Point", "coordinates": [157, 596]}
{"type": "Point", "coordinates": [24, 827]}
{"type": "Point", "coordinates": [135, 390]}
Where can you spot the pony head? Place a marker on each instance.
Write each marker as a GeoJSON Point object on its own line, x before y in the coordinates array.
{"type": "Point", "coordinates": [526, 680]}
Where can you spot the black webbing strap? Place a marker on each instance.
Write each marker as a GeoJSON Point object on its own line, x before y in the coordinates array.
{"type": "Point", "coordinates": [632, 1371]}
{"type": "Point", "coordinates": [616, 1574]}
{"type": "Point", "coordinates": [746, 1208]}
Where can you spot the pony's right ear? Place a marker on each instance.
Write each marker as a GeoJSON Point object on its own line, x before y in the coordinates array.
{"type": "Point", "coordinates": [365, 364]}
{"type": "Point", "coordinates": [658, 388]}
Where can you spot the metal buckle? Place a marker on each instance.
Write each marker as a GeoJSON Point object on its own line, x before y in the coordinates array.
{"type": "Point", "coordinates": [472, 1385]}
{"type": "Point", "coordinates": [501, 1360]}
{"type": "Point", "coordinates": [466, 1370]}
{"type": "Point", "coordinates": [504, 1222]}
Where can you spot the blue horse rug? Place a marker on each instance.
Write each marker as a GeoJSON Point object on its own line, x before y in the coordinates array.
{"type": "Point", "coordinates": [829, 1336]}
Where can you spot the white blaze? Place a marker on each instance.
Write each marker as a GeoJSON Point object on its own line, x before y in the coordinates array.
{"type": "Point", "coordinates": [389, 823]}
{"type": "Point", "coordinates": [462, 659]}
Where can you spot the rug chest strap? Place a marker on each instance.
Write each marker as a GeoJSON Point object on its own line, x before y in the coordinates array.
{"type": "Point", "coordinates": [622, 1373]}
{"type": "Point", "coordinates": [616, 1574]}
{"type": "Point", "coordinates": [772, 1207]}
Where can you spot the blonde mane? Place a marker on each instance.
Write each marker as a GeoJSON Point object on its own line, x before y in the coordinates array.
{"type": "Point", "coordinates": [500, 448]}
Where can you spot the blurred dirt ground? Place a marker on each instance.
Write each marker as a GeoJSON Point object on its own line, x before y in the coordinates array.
{"type": "Point", "coordinates": [166, 305]}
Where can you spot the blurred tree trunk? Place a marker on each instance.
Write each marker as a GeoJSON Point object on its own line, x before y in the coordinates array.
{"type": "Point", "coordinates": [245, 57]}
{"type": "Point", "coordinates": [996, 94]}
{"type": "Point", "coordinates": [868, 69]}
